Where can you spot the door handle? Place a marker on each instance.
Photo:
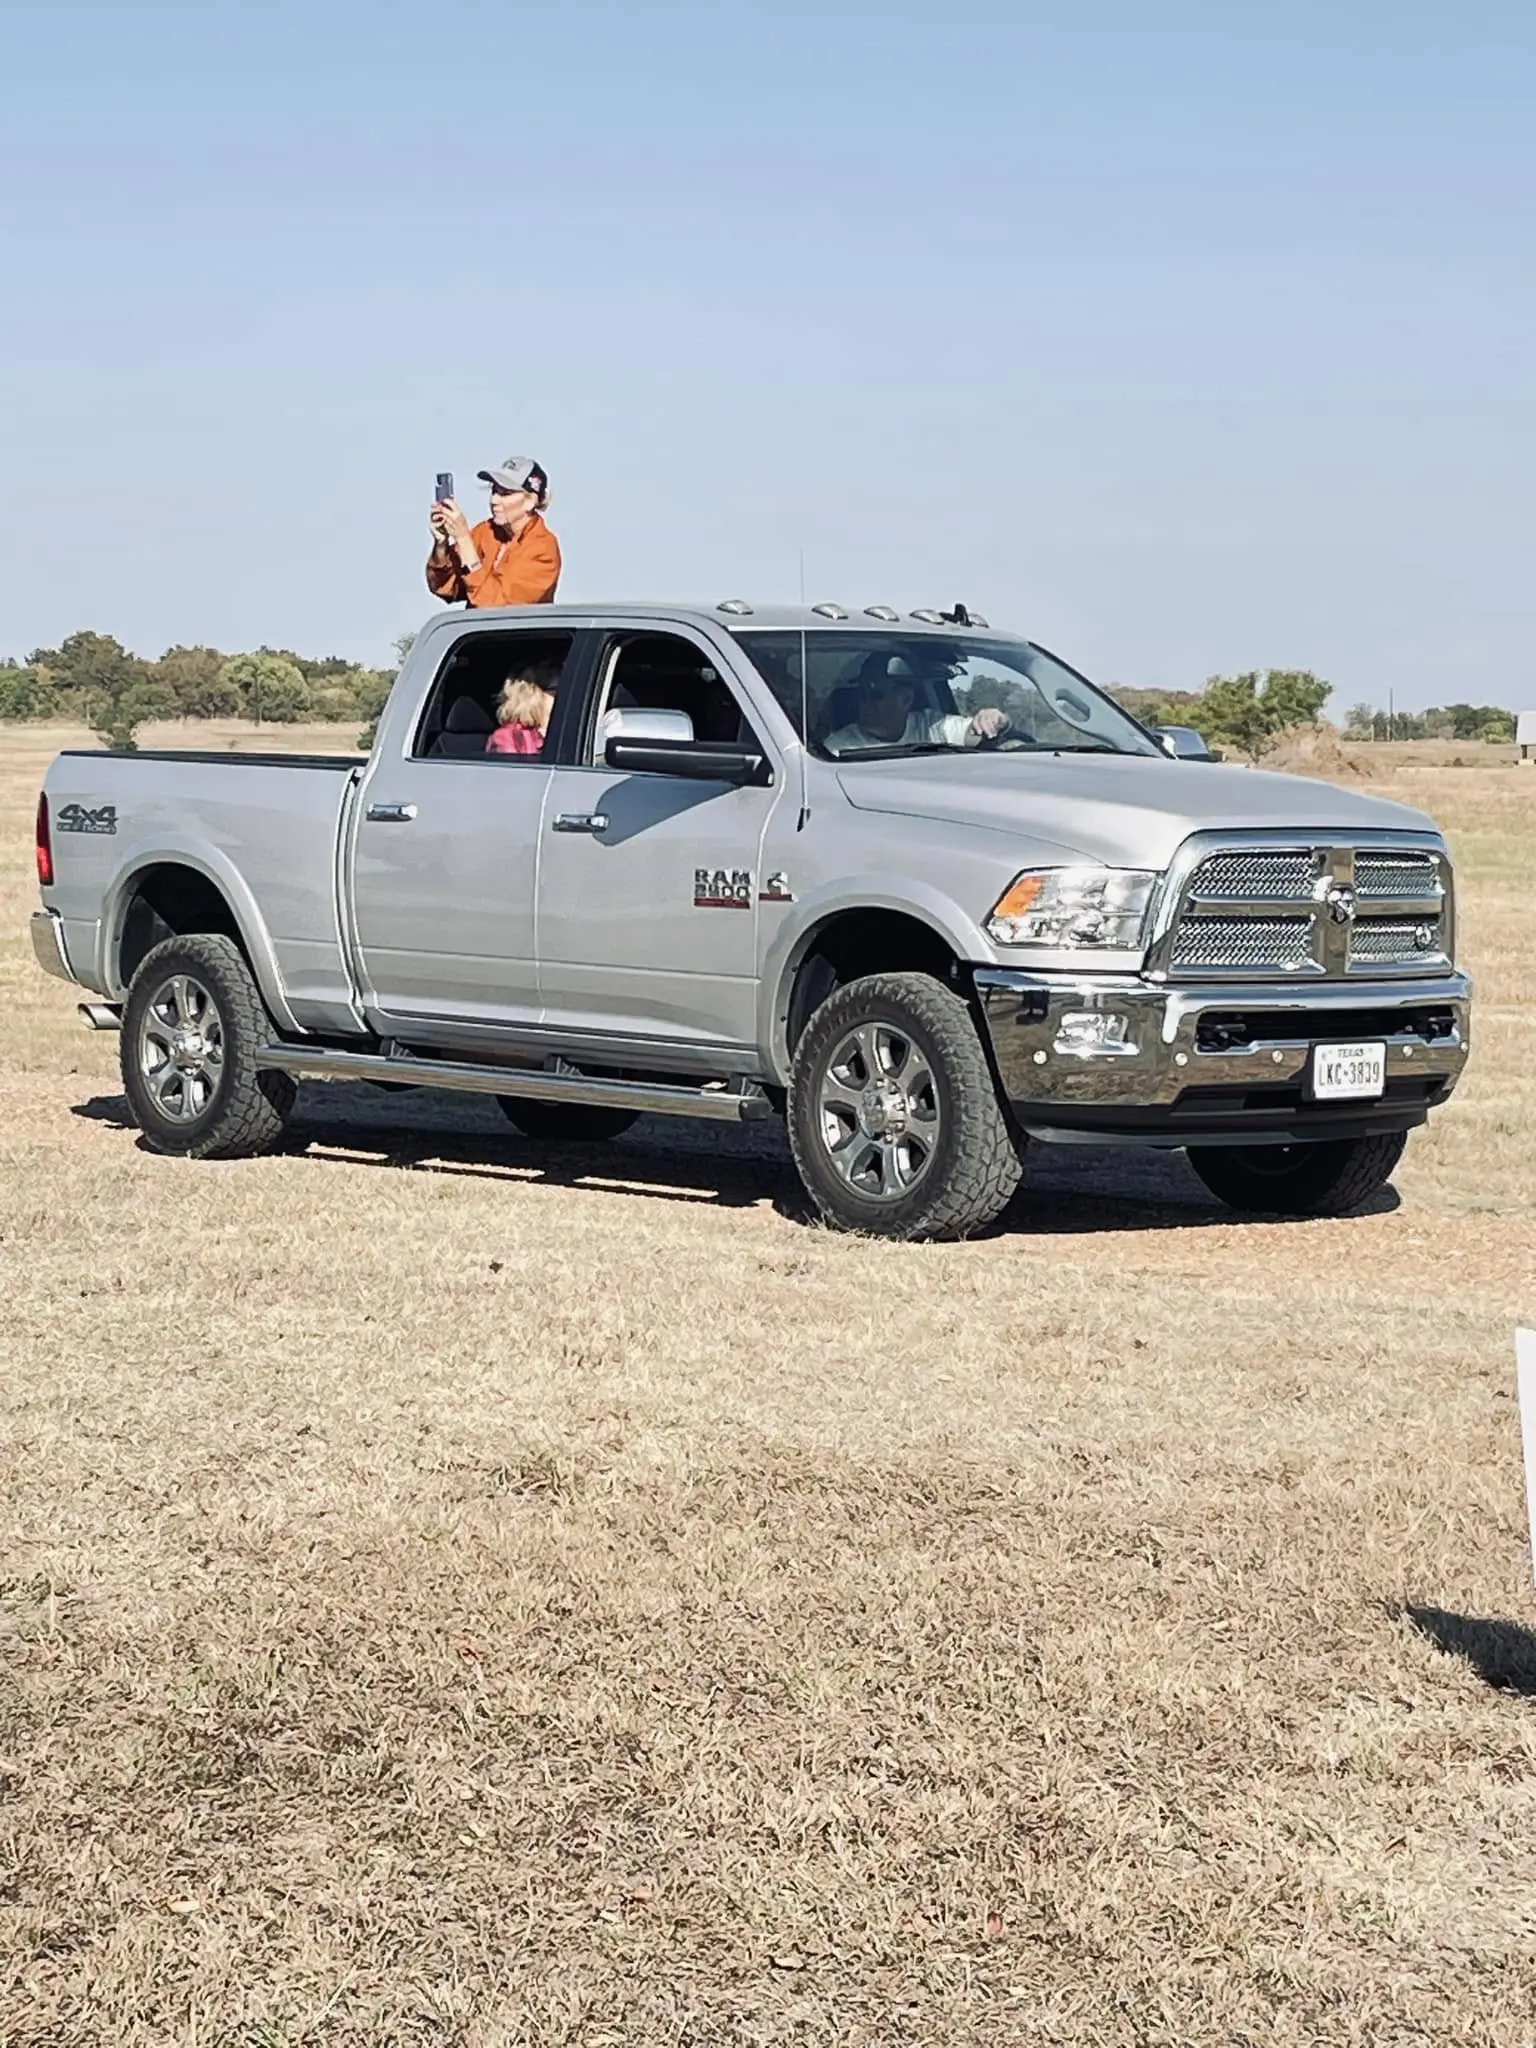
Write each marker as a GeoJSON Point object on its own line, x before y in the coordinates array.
{"type": "Point", "coordinates": [581, 821]}
{"type": "Point", "coordinates": [391, 814]}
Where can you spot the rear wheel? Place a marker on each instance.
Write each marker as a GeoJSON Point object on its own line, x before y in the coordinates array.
{"type": "Point", "coordinates": [565, 1123]}
{"type": "Point", "coordinates": [1326, 1179]}
{"type": "Point", "coordinates": [894, 1118]}
{"type": "Point", "coordinates": [191, 1027]}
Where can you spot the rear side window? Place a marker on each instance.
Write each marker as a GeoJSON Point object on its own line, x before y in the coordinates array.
{"type": "Point", "coordinates": [484, 677]}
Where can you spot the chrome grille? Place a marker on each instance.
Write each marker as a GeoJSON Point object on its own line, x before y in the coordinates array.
{"type": "Point", "coordinates": [1395, 942]}
{"type": "Point", "coordinates": [1243, 942]}
{"type": "Point", "coordinates": [1283, 877]}
{"type": "Point", "coordinates": [1323, 908]}
{"type": "Point", "coordinates": [1407, 875]}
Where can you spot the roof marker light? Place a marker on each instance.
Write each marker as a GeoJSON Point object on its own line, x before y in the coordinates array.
{"type": "Point", "coordinates": [928, 618]}
{"type": "Point", "coordinates": [737, 606]}
{"type": "Point", "coordinates": [883, 611]}
{"type": "Point", "coordinates": [829, 611]}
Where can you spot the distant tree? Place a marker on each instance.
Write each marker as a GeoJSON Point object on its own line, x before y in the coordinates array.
{"type": "Point", "coordinates": [270, 688]}
{"type": "Point", "coordinates": [194, 677]}
{"type": "Point", "coordinates": [1360, 721]}
{"type": "Point", "coordinates": [1292, 697]}
{"type": "Point", "coordinates": [23, 692]}
{"type": "Point", "coordinates": [1229, 714]}
{"type": "Point", "coordinates": [1248, 712]}
{"type": "Point", "coordinates": [88, 665]}
{"type": "Point", "coordinates": [331, 668]}
{"type": "Point", "coordinates": [96, 678]}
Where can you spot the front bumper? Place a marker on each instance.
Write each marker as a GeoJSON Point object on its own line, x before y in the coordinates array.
{"type": "Point", "coordinates": [1217, 1065]}
{"type": "Point", "coordinates": [48, 944]}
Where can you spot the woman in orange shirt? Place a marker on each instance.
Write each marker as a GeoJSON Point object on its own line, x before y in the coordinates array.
{"type": "Point", "coordinates": [510, 558]}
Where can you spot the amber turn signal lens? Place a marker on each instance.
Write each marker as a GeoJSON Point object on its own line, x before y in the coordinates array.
{"type": "Point", "coordinates": [1022, 896]}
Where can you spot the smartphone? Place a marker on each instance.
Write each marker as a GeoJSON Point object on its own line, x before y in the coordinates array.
{"type": "Point", "coordinates": [444, 486]}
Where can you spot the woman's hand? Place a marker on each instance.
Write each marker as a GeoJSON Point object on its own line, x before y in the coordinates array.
{"type": "Point", "coordinates": [451, 523]}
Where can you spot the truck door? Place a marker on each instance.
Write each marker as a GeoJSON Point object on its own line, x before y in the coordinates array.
{"type": "Point", "coordinates": [446, 849]}
{"type": "Point", "coordinates": [649, 884]}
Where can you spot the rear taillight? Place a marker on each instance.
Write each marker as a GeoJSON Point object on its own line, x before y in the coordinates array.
{"type": "Point", "coordinates": [44, 844]}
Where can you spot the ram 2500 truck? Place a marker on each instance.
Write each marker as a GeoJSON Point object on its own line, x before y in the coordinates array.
{"type": "Point", "coordinates": [914, 884]}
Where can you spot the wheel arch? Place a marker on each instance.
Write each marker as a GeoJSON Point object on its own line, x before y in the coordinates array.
{"type": "Point", "coordinates": [173, 892]}
{"type": "Point", "coordinates": [838, 942]}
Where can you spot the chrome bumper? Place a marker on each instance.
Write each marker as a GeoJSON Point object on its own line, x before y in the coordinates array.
{"type": "Point", "coordinates": [48, 944]}
{"type": "Point", "coordinates": [1220, 1064]}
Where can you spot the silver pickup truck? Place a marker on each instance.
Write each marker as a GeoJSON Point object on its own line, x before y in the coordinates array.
{"type": "Point", "coordinates": [911, 883]}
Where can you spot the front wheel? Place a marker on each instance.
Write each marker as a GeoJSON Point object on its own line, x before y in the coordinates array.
{"type": "Point", "coordinates": [894, 1118]}
{"type": "Point", "coordinates": [1330, 1178]}
{"type": "Point", "coordinates": [191, 1027]}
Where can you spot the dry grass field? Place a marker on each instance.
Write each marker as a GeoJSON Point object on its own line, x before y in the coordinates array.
{"type": "Point", "coordinates": [451, 1595]}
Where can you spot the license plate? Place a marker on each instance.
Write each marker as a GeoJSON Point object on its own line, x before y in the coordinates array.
{"type": "Point", "coordinates": [1347, 1073]}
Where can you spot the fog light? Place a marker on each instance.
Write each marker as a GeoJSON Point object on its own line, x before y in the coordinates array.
{"type": "Point", "coordinates": [1092, 1031]}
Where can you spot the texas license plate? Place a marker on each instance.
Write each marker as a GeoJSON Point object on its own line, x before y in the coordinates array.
{"type": "Point", "coordinates": [1348, 1073]}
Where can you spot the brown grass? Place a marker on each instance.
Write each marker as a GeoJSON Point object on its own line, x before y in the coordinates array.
{"type": "Point", "coordinates": [451, 1596]}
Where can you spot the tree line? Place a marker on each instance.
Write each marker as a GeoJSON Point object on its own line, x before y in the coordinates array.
{"type": "Point", "coordinates": [1246, 714]}
{"type": "Point", "coordinates": [92, 679]}
{"type": "Point", "coordinates": [1448, 722]}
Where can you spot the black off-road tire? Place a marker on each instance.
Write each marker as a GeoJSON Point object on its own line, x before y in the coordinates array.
{"type": "Point", "coordinates": [973, 1163]}
{"type": "Point", "coordinates": [565, 1123]}
{"type": "Point", "coordinates": [1329, 1178]}
{"type": "Point", "coordinates": [236, 1111]}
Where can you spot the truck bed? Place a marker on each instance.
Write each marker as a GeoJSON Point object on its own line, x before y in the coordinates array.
{"type": "Point", "coordinates": [266, 828]}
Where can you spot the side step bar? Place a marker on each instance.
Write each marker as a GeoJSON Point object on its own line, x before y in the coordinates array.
{"type": "Point", "coordinates": [101, 1016]}
{"type": "Point", "coordinates": [721, 1102]}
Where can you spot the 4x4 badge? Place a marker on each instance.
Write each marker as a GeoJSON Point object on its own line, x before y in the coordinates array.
{"type": "Point", "coordinates": [76, 818]}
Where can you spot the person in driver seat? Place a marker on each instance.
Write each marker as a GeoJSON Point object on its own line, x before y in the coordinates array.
{"type": "Point", "coordinates": [886, 718]}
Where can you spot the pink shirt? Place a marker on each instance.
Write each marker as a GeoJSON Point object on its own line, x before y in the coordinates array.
{"type": "Point", "coordinates": [515, 739]}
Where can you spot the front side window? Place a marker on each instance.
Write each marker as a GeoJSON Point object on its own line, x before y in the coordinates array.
{"type": "Point", "coordinates": [878, 695]}
{"type": "Point", "coordinates": [665, 672]}
{"type": "Point", "coordinates": [494, 697]}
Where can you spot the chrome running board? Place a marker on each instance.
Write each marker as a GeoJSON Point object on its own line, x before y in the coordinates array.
{"type": "Point", "coordinates": [720, 1102]}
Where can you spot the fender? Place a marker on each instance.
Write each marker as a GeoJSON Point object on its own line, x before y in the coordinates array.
{"type": "Point", "coordinates": [216, 867]}
{"type": "Point", "coordinates": [919, 901]}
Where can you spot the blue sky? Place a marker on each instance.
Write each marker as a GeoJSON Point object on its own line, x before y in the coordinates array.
{"type": "Point", "coordinates": [1184, 337]}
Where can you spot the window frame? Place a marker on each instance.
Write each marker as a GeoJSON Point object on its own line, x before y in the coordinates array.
{"type": "Point", "coordinates": [607, 644]}
{"type": "Point", "coordinates": [572, 686]}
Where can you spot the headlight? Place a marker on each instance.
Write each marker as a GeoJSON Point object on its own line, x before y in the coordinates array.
{"type": "Point", "coordinates": [1105, 908]}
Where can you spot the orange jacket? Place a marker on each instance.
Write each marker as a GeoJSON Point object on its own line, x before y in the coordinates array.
{"type": "Point", "coordinates": [521, 571]}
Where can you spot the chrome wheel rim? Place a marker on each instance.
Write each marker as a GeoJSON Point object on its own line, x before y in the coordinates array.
{"type": "Point", "coordinates": [181, 1049]}
{"type": "Point", "coordinates": [878, 1112]}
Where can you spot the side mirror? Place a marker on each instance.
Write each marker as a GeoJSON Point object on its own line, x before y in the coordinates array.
{"type": "Point", "coordinates": [626, 722]}
{"type": "Point", "coordinates": [1182, 743]}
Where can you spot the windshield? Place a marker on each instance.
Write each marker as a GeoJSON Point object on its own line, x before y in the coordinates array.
{"type": "Point", "coordinates": [884, 695]}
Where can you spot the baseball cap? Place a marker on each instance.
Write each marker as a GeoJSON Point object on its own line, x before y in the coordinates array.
{"type": "Point", "coordinates": [518, 473]}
